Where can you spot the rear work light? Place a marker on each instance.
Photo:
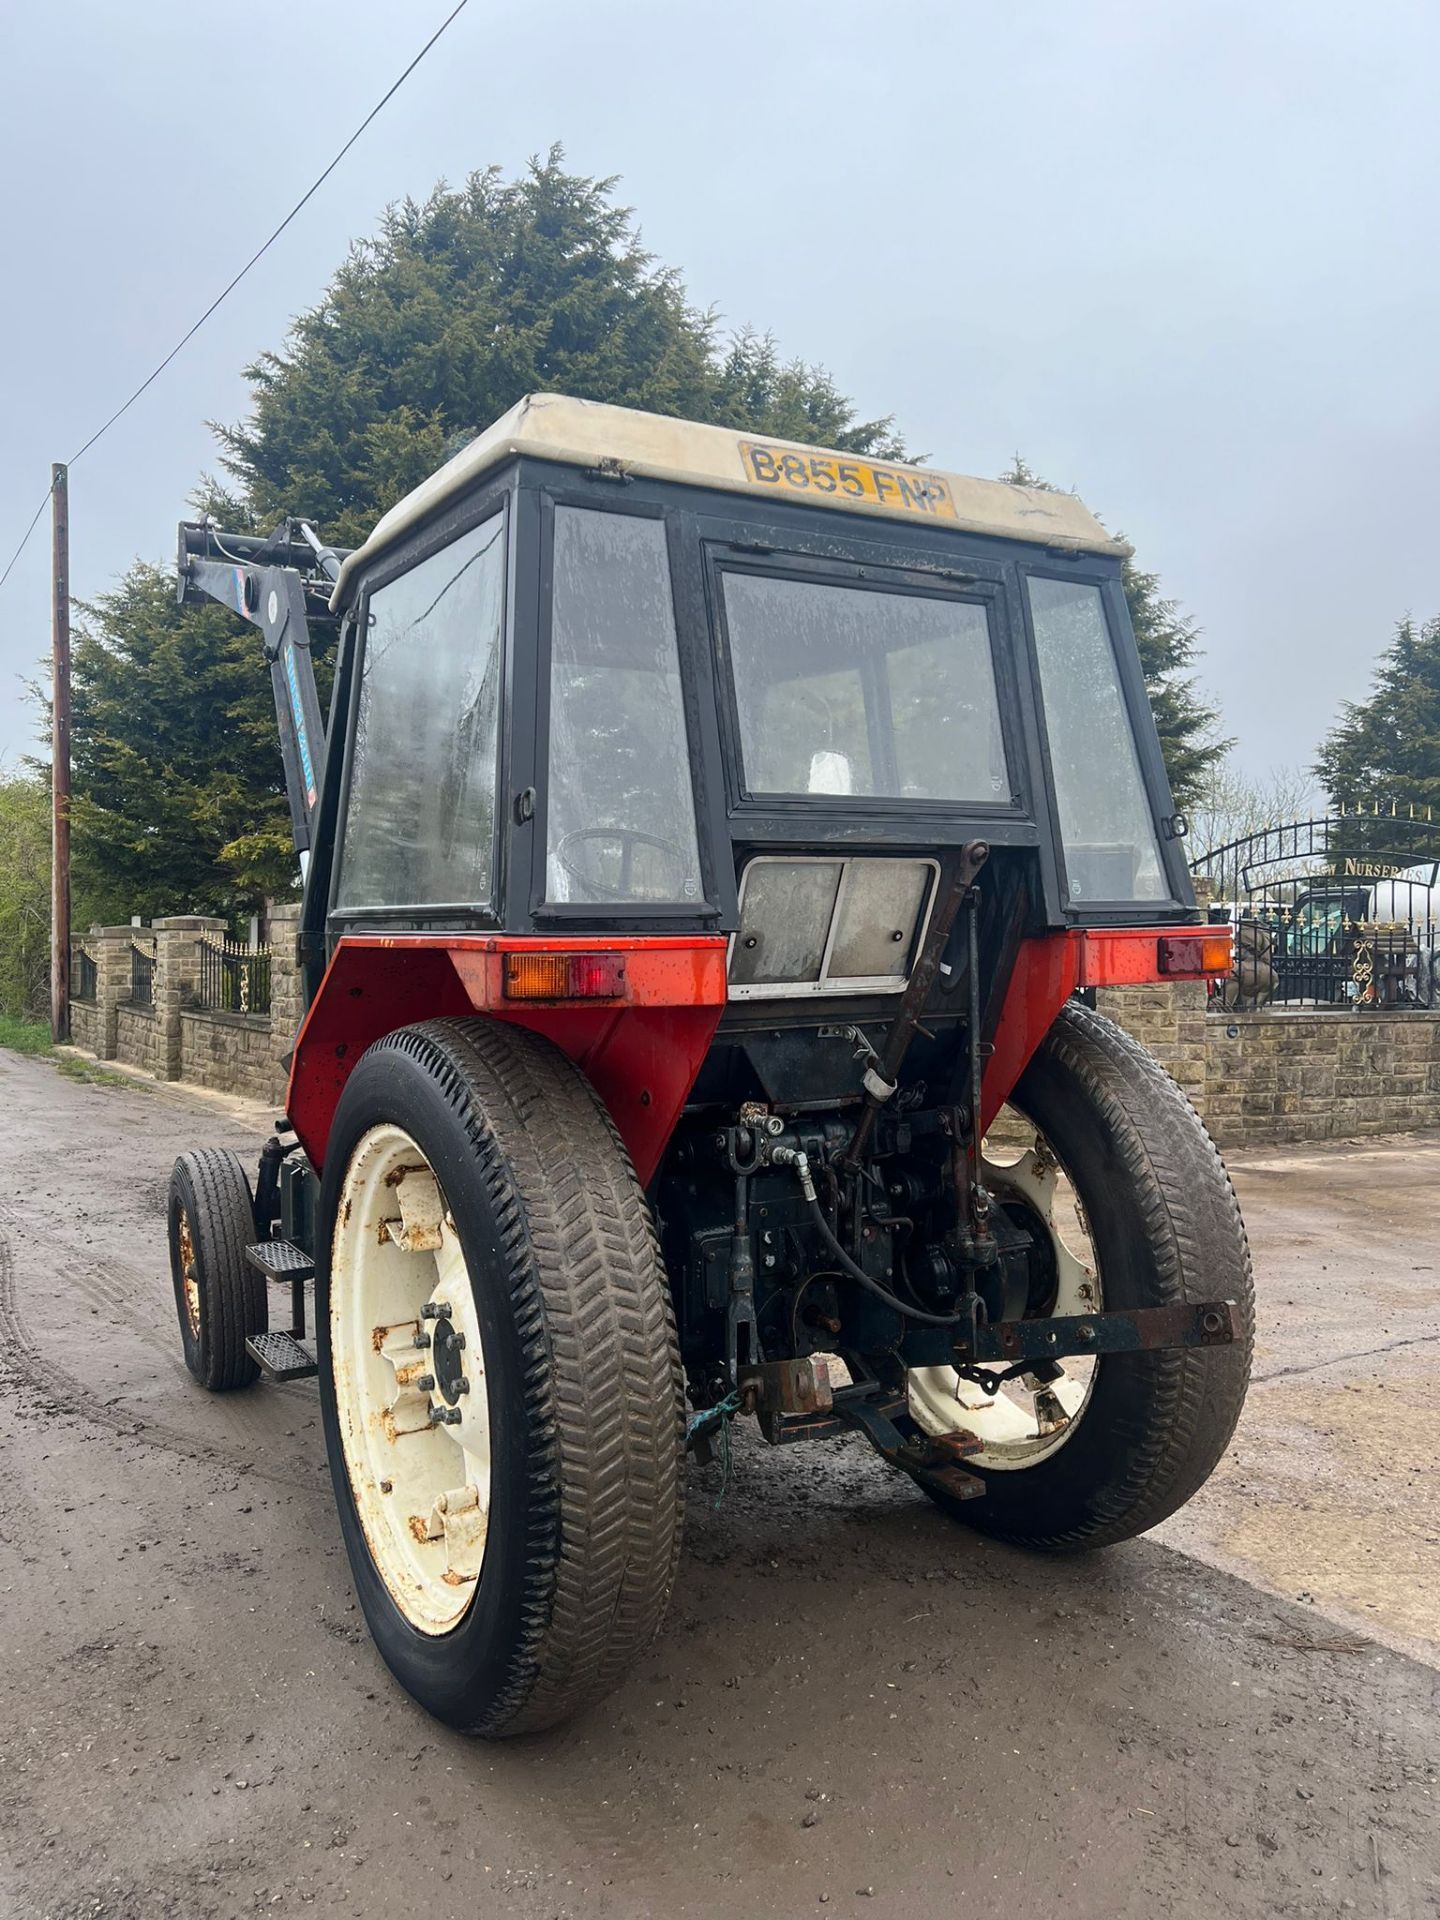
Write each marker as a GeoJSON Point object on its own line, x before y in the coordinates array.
{"type": "Point", "coordinates": [1193, 955]}
{"type": "Point", "coordinates": [564, 976]}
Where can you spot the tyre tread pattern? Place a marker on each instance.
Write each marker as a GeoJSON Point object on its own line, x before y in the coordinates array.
{"type": "Point", "coordinates": [603, 1389]}
{"type": "Point", "coordinates": [1196, 1238]}
{"type": "Point", "coordinates": [233, 1300]}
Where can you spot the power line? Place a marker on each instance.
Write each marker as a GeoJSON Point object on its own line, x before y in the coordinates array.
{"type": "Point", "coordinates": [25, 537]}
{"type": "Point", "coordinates": [255, 257]}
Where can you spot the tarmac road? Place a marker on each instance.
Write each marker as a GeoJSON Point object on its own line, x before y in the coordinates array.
{"type": "Point", "coordinates": [857, 1708]}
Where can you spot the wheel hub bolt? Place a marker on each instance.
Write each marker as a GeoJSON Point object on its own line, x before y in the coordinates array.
{"type": "Point", "coordinates": [422, 1339]}
{"type": "Point", "coordinates": [435, 1310]}
{"type": "Point", "coordinates": [426, 1383]}
{"type": "Point", "coordinates": [444, 1416]}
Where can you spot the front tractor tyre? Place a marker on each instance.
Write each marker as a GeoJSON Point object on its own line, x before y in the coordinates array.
{"type": "Point", "coordinates": [219, 1297]}
{"type": "Point", "coordinates": [499, 1376]}
{"type": "Point", "coordinates": [1132, 1207]}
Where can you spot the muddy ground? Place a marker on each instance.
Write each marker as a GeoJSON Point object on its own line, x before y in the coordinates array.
{"type": "Point", "coordinates": [857, 1708]}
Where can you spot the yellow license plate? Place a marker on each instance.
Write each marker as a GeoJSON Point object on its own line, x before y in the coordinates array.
{"type": "Point", "coordinates": [834, 479]}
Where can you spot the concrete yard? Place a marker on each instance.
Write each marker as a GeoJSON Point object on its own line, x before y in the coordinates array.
{"type": "Point", "coordinates": [1237, 1715]}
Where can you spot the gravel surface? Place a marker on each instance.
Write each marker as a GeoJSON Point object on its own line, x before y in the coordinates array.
{"type": "Point", "coordinates": [857, 1708]}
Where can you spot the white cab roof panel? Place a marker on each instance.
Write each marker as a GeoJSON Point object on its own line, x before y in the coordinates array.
{"type": "Point", "coordinates": [586, 433]}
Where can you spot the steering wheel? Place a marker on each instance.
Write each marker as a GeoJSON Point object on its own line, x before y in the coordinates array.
{"type": "Point", "coordinates": [629, 839]}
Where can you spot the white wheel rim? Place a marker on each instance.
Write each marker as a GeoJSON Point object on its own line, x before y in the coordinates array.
{"type": "Point", "coordinates": [1026, 1421]}
{"type": "Point", "coordinates": [416, 1443]}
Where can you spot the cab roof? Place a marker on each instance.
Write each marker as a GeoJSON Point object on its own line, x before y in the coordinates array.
{"type": "Point", "coordinates": [587, 433]}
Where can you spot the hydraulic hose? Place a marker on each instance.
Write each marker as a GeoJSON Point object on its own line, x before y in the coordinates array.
{"type": "Point", "coordinates": [789, 1156]}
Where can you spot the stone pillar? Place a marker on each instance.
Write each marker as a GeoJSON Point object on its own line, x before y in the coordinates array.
{"type": "Point", "coordinates": [177, 978]}
{"type": "Point", "coordinates": [287, 1003]}
{"type": "Point", "coordinates": [111, 948]}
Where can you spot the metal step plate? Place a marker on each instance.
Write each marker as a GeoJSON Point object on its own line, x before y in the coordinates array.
{"type": "Point", "coordinates": [279, 1356]}
{"type": "Point", "coordinates": [279, 1260]}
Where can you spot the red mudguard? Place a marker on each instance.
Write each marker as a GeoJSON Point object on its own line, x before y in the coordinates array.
{"type": "Point", "coordinates": [1050, 968]}
{"type": "Point", "coordinates": [640, 1049]}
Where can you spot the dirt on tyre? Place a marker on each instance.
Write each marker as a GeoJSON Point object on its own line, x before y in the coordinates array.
{"type": "Point", "coordinates": [1166, 1230]}
{"type": "Point", "coordinates": [219, 1297]}
{"type": "Point", "coordinates": [500, 1376]}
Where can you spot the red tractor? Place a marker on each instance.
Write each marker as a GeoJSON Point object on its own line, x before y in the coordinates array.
{"type": "Point", "coordinates": [709, 838]}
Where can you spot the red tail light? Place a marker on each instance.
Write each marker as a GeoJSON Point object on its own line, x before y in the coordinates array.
{"type": "Point", "coordinates": [564, 976]}
{"type": "Point", "coordinates": [1193, 955]}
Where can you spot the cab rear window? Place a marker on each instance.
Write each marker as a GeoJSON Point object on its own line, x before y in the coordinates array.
{"type": "Point", "coordinates": [844, 689]}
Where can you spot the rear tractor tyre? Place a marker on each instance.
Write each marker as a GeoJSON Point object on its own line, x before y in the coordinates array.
{"type": "Point", "coordinates": [499, 1376]}
{"type": "Point", "coordinates": [219, 1297]}
{"type": "Point", "coordinates": [1123, 1440]}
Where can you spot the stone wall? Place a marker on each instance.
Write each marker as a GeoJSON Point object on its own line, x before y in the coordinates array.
{"type": "Point", "coordinates": [175, 1039]}
{"type": "Point", "coordinates": [87, 1026]}
{"type": "Point", "coordinates": [1307, 1075]}
{"type": "Point", "coordinates": [140, 1040]}
{"type": "Point", "coordinates": [233, 1053]}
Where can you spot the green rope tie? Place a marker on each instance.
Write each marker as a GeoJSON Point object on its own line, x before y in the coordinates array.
{"type": "Point", "coordinates": [707, 1421]}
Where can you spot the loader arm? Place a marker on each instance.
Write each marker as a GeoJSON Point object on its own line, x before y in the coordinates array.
{"type": "Point", "coordinates": [279, 583]}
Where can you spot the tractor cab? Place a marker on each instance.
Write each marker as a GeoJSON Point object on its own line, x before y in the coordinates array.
{"type": "Point", "coordinates": [709, 837]}
{"type": "Point", "coordinates": [602, 662]}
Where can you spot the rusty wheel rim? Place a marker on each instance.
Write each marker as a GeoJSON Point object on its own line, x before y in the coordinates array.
{"type": "Point", "coordinates": [190, 1285]}
{"type": "Point", "coordinates": [407, 1369]}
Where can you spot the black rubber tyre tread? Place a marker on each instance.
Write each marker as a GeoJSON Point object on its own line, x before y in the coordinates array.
{"type": "Point", "coordinates": [211, 1184]}
{"type": "Point", "coordinates": [1167, 1229]}
{"type": "Point", "coordinates": [600, 1406]}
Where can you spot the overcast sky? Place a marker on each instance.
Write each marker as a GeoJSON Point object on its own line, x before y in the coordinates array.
{"type": "Point", "coordinates": [1182, 255]}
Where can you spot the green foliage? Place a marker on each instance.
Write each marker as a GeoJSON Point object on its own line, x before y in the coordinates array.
{"type": "Point", "coordinates": [1387, 749]}
{"type": "Point", "coordinates": [1168, 643]}
{"type": "Point", "coordinates": [24, 898]}
{"type": "Point", "coordinates": [463, 304]}
{"type": "Point", "coordinates": [178, 788]}
{"type": "Point", "coordinates": [428, 332]}
{"type": "Point", "coordinates": [792, 401]}
{"type": "Point", "coordinates": [24, 1036]}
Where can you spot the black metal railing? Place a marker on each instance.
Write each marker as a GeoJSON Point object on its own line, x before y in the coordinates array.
{"type": "Point", "coordinates": [84, 984]}
{"type": "Point", "coordinates": [1340, 912]}
{"type": "Point", "coordinates": [1318, 955]}
{"type": "Point", "coordinates": [142, 975]}
{"type": "Point", "coordinates": [233, 979]}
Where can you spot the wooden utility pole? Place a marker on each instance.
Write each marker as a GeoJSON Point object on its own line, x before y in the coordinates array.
{"type": "Point", "coordinates": [60, 759]}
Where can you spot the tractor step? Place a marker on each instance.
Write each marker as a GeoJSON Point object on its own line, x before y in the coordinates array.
{"type": "Point", "coordinates": [278, 1260]}
{"type": "Point", "coordinates": [280, 1356]}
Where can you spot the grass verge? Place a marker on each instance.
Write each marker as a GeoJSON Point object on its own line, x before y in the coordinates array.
{"type": "Point", "coordinates": [23, 1036]}
{"type": "Point", "coordinates": [33, 1037]}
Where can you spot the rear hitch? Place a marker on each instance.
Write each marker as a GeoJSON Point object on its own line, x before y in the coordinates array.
{"type": "Point", "coordinates": [1213, 1323]}
{"type": "Point", "coordinates": [931, 1457]}
{"type": "Point", "coordinates": [776, 1388]}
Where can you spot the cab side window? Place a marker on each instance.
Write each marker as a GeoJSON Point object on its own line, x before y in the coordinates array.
{"type": "Point", "coordinates": [1107, 829]}
{"type": "Point", "coordinates": [620, 806]}
{"type": "Point", "coordinates": [420, 820]}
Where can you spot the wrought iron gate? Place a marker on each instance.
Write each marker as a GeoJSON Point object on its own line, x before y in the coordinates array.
{"type": "Point", "coordinates": [1339, 911]}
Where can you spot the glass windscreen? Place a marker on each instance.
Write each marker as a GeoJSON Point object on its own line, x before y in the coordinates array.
{"type": "Point", "coordinates": [1106, 825]}
{"type": "Point", "coordinates": [620, 808]}
{"type": "Point", "coordinates": [420, 822]}
{"type": "Point", "coordinates": [854, 690]}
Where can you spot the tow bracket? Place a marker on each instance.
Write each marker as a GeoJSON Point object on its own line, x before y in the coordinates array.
{"type": "Point", "coordinates": [1213, 1323]}
{"type": "Point", "coordinates": [929, 1457]}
